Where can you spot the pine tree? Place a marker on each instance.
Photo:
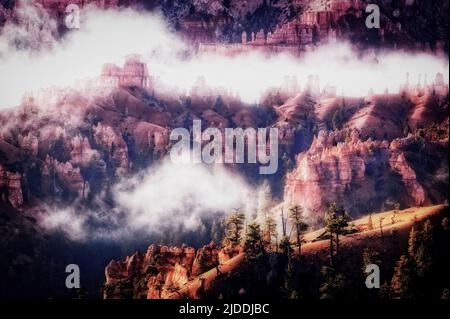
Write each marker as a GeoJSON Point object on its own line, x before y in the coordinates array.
{"type": "Point", "coordinates": [427, 232]}
{"type": "Point", "coordinates": [337, 120]}
{"type": "Point", "coordinates": [270, 228]}
{"type": "Point", "coordinates": [285, 247]}
{"type": "Point", "coordinates": [381, 227]}
{"type": "Point", "coordinates": [401, 283]}
{"type": "Point", "coordinates": [342, 224]}
{"type": "Point", "coordinates": [234, 225]}
{"type": "Point", "coordinates": [396, 211]}
{"type": "Point", "coordinates": [370, 257]}
{"type": "Point", "coordinates": [413, 271]}
{"type": "Point", "coordinates": [423, 260]}
{"type": "Point", "coordinates": [413, 242]}
{"type": "Point", "coordinates": [286, 251]}
{"type": "Point", "coordinates": [331, 225]}
{"type": "Point", "coordinates": [299, 226]}
{"type": "Point", "coordinates": [283, 223]}
{"type": "Point", "coordinates": [334, 283]}
{"type": "Point", "coordinates": [422, 255]}
{"type": "Point", "coordinates": [335, 225]}
{"type": "Point", "coordinates": [370, 222]}
{"type": "Point", "coordinates": [254, 247]}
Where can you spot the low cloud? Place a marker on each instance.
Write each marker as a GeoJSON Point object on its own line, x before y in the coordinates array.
{"type": "Point", "coordinates": [182, 194]}
{"type": "Point", "coordinates": [108, 36]}
{"type": "Point", "coordinates": [167, 197]}
{"type": "Point", "coordinates": [105, 36]}
{"type": "Point", "coordinates": [65, 221]}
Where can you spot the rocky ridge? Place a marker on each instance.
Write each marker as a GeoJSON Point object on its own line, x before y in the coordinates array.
{"type": "Point", "coordinates": [161, 271]}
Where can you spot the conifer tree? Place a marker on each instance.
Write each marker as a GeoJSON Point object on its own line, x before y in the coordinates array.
{"type": "Point", "coordinates": [411, 271]}
{"type": "Point", "coordinates": [401, 283]}
{"type": "Point", "coordinates": [370, 222]}
{"type": "Point", "coordinates": [270, 228]}
{"type": "Point", "coordinates": [381, 227]}
{"type": "Point", "coordinates": [253, 246]}
{"type": "Point", "coordinates": [333, 285]}
{"type": "Point", "coordinates": [234, 225]}
{"type": "Point", "coordinates": [285, 247]}
{"type": "Point", "coordinates": [286, 251]}
{"type": "Point", "coordinates": [330, 226]}
{"type": "Point", "coordinates": [299, 226]}
{"type": "Point", "coordinates": [342, 224]}
{"type": "Point", "coordinates": [413, 242]}
{"type": "Point", "coordinates": [335, 224]}
{"type": "Point", "coordinates": [396, 211]}
{"type": "Point", "coordinates": [422, 255]}
{"type": "Point", "coordinates": [370, 256]}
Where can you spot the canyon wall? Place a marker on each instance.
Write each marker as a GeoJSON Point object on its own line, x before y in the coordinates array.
{"type": "Point", "coordinates": [351, 172]}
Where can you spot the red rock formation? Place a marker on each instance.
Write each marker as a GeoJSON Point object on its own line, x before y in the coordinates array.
{"type": "Point", "coordinates": [399, 163]}
{"type": "Point", "coordinates": [81, 153]}
{"type": "Point", "coordinates": [11, 187]}
{"type": "Point", "coordinates": [29, 143]}
{"type": "Point", "coordinates": [151, 136]}
{"type": "Point", "coordinates": [68, 175]}
{"type": "Point", "coordinates": [14, 185]}
{"type": "Point", "coordinates": [291, 33]}
{"type": "Point", "coordinates": [113, 143]}
{"type": "Point", "coordinates": [331, 168]}
{"type": "Point", "coordinates": [207, 258]}
{"type": "Point", "coordinates": [196, 29]}
{"type": "Point", "coordinates": [161, 271]}
{"type": "Point", "coordinates": [133, 73]}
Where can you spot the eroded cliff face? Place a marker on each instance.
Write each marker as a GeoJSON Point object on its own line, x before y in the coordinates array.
{"type": "Point", "coordinates": [353, 172]}
{"type": "Point", "coordinates": [66, 145]}
{"type": "Point", "coordinates": [281, 23]}
{"type": "Point", "coordinates": [399, 164]}
{"type": "Point", "coordinates": [69, 177]}
{"type": "Point", "coordinates": [161, 271]}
